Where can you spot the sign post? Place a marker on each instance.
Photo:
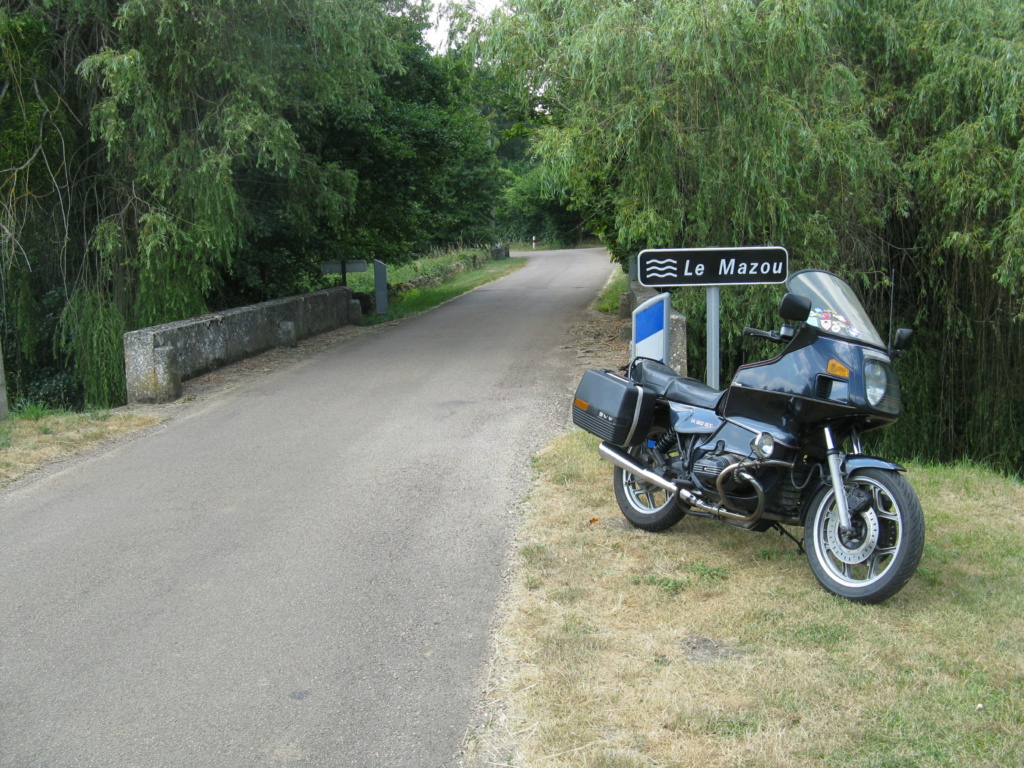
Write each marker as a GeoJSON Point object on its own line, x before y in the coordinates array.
{"type": "Point", "coordinates": [714, 335]}
{"type": "Point", "coordinates": [711, 268]}
{"type": "Point", "coordinates": [380, 278]}
{"type": "Point", "coordinates": [380, 286]}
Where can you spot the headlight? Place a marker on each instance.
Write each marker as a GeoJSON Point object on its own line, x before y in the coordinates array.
{"type": "Point", "coordinates": [876, 381]}
{"type": "Point", "coordinates": [763, 445]}
{"type": "Point", "coordinates": [881, 387]}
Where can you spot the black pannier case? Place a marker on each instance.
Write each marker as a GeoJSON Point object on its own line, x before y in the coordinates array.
{"type": "Point", "coordinates": [613, 408]}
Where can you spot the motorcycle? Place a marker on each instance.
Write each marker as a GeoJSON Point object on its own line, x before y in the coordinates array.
{"type": "Point", "coordinates": [770, 450]}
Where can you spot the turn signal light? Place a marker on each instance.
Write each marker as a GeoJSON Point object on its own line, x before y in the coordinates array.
{"type": "Point", "coordinates": [835, 368]}
{"type": "Point", "coordinates": [581, 404]}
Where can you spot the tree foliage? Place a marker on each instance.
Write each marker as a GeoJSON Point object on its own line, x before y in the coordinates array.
{"type": "Point", "coordinates": [415, 163]}
{"type": "Point", "coordinates": [866, 137]}
{"type": "Point", "coordinates": [427, 173]}
{"type": "Point", "coordinates": [530, 207]}
{"type": "Point", "coordinates": [161, 157]}
{"type": "Point", "coordinates": [954, 101]}
{"type": "Point", "coordinates": [682, 123]}
{"type": "Point", "coordinates": [194, 95]}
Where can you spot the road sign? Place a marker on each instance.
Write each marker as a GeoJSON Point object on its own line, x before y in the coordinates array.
{"type": "Point", "coordinates": [712, 268]}
{"type": "Point", "coordinates": [342, 267]}
{"type": "Point", "coordinates": [651, 328]}
{"type": "Point", "coordinates": [677, 267]}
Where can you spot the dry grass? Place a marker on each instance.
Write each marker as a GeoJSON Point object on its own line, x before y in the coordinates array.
{"type": "Point", "coordinates": [715, 647]}
{"type": "Point", "coordinates": [28, 443]}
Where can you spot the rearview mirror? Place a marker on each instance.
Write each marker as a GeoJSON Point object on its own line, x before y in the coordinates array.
{"type": "Point", "coordinates": [903, 338]}
{"type": "Point", "coordinates": [795, 308]}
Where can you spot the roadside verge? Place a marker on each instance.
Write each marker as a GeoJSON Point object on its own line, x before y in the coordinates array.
{"type": "Point", "coordinates": [707, 645]}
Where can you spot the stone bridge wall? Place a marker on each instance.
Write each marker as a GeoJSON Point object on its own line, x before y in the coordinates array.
{"type": "Point", "coordinates": [159, 358]}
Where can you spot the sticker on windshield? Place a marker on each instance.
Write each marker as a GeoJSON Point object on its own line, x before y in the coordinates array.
{"type": "Point", "coordinates": [832, 322]}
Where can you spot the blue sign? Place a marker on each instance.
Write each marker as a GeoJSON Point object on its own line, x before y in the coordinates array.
{"type": "Point", "coordinates": [651, 330]}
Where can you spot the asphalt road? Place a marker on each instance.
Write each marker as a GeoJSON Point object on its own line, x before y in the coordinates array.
{"type": "Point", "coordinates": [300, 571]}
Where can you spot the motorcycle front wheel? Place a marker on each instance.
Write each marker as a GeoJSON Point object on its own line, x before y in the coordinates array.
{"type": "Point", "coordinates": [876, 559]}
{"type": "Point", "coordinates": [644, 505]}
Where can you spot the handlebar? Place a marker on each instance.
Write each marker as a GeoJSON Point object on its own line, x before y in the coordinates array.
{"type": "Point", "coordinates": [775, 336]}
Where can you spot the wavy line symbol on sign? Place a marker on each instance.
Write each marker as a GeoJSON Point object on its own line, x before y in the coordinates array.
{"type": "Point", "coordinates": [661, 267]}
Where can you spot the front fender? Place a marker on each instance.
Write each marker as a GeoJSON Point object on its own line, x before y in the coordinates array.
{"type": "Point", "coordinates": [851, 463]}
{"type": "Point", "coordinates": [855, 461]}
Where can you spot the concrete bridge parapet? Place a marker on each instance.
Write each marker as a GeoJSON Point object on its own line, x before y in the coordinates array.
{"type": "Point", "coordinates": [158, 359]}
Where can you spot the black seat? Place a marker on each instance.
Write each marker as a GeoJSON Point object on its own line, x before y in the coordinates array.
{"type": "Point", "coordinates": [666, 383]}
{"type": "Point", "coordinates": [652, 375]}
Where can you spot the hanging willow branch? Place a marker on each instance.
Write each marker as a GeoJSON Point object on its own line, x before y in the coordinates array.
{"type": "Point", "coordinates": [864, 135]}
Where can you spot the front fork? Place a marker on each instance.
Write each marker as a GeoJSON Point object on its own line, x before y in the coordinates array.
{"type": "Point", "coordinates": [835, 471]}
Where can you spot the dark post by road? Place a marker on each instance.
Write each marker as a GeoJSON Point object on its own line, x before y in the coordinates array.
{"type": "Point", "coordinates": [380, 286]}
{"type": "Point", "coordinates": [3, 388]}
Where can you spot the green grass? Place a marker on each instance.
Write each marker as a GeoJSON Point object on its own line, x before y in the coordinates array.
{"type": "Point", "coordinates": [440, 264]}
{"type": "Point", "coordinates": [421, 299]}
{"type": "Point", "coordinates": [32, 411]}
{"type": "Point", "coordinates": [448, 274]}
{"type": "Point", "coordinates": [609, 299]}
{"type": "Point", "coordinates": [701, 574]}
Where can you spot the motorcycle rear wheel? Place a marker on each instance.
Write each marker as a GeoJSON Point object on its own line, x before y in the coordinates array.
{"type": "Point", "coordinates": [881, 555]}
{"type": "Point", "coordinates": [644, 505]}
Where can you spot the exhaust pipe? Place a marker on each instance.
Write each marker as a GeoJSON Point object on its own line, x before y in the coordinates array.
{"type": "Point", "coordinates": [623, 460]}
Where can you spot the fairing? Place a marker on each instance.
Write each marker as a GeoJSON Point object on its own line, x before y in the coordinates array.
{"type": "Point", "coordinates": [835, 308]}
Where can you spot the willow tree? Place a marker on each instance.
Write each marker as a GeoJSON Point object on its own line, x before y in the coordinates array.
{"type": "Point", "coordinates": [951, 104]}
{"type": "Point", "coordinates": [35, 180]}
{"type": "Point", "coordinates": [194, 94]}
{"type": "Point", "coordinates": [864, 135]}
{"type": "Point", "coordinates": [166, 105]}
{"type": "Point", "coordinates": [704, 124]}
{"type": "Point", "coordinates": [701, 123]}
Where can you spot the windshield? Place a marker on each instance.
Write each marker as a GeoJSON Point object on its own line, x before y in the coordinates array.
{"type": "Point", "coordinates": [835, 308]}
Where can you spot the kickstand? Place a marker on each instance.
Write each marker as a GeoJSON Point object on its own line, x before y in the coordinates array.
{"type": "Point", "coordinates": [784, 532]}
